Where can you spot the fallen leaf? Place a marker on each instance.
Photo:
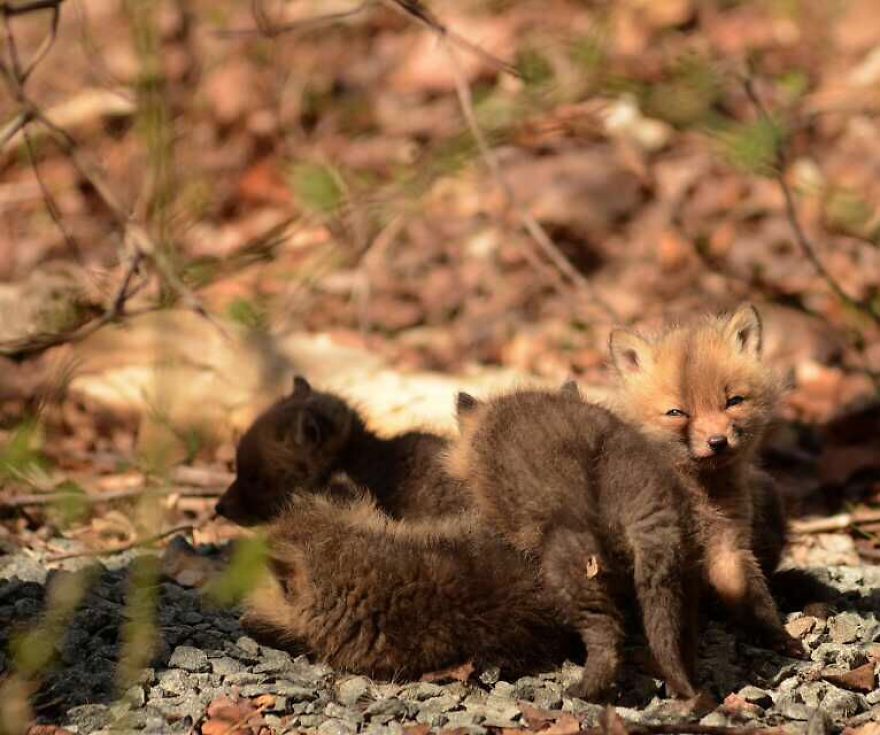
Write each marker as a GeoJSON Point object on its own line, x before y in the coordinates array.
{"type": "Point", "coordinates": [860, 679]}
{"type": "Point", "coordinates": [47, 730]}
{"type": "Point", "coordinates": [536, 717]}
{"type": "Point", "coordinates": [592, 566]}
{"type": "Point", "coordinates": [568, 724]}
{"type": "Point", "coordinates": [611, 722]}
{"type": "Point", "coordinates": [421, 729]}
{"type": "Point", "coordinates": [869, 728]}
{"type": "Point", "coordinates": [736, 705]}
{"type": "Point", "coordinates": [461, 673]}
{"type": "Point", "coordinates": [229, 717]}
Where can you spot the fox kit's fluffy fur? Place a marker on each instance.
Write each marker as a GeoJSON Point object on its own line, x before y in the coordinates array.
{"type": "Point", "coordinates": [702, 393]}
{"type": "Point", "coordinates": [390, 598]}
{"type": "Point", "coordinates": [588, 498]}
{"type": "Point", "coordinates": [304, 440]}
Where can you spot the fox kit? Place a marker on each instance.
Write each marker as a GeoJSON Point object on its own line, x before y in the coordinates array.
{"type": "Point", "coordinates": [392, 598]}
{"type": "Point", "coordinates": [303, 440]}
{"type": "Point", "coordinates": [702, 393]}
{"type": "Point", "coordinates": [584, 494]}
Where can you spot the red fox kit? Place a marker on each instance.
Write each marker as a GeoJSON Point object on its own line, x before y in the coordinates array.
{"type": "Point", "coordinates": [391, 598]}
{"type": "Point", "coordinates": [702, 393]}
{"type": "Point", "coordinates": [303, 440]}
{"type": "Point", "coordinates": [572, 485]}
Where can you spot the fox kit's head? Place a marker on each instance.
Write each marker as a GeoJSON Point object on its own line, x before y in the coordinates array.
{"type": "Point", "coordinates": [291, 447]}
{"type": "Point", "coordinates": [700, 388]}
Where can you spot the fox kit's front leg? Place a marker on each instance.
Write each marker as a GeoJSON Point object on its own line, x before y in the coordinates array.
{"type": "Point", "coordinates": [735, 574]}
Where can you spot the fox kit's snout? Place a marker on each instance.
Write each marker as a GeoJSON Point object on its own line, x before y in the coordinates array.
{"type": "Point", "coordinates": [700, 388]}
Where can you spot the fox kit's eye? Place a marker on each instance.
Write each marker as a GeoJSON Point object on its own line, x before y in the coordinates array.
{"type": "Point", "coordinates": [676, 413]}
{"type": "Point", "coordinates": [734, 401]}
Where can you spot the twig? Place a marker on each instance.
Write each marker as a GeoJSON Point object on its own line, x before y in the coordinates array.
{"type": "Point", "coordinates": [839, 522]}
{"type": "Point", "coordinates": [415, 9]}
{"type": "Point", "coordinates": [265, 28]}
{"type": "Point", "coordinates": [527, 220]}
{"type": "Point", "coordinates": [34, 499]}
{"type": "Point", "coordinates": [128, 546]}
{"type": "Point", "coordinates": [806, 245]}
{"type": "Point", "coordinates": [10, 9]}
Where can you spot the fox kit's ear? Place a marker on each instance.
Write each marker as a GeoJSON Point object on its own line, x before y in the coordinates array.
{"type": "Point", "coordinates": [743, 330]}
{"type": "Point", "coordinates": [630, 353]}
{"type": "Point", "coordinates": [301, 387]}
{"type": "Point", "coordinates": [465, 405]}
{"type": "Point", "coordinates": [570, 388]}
{"type": "Point", "coordinates": [306, 429]}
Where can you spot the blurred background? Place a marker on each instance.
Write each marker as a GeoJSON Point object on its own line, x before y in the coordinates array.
{"type": "Point", "coordinates": [199, 199]}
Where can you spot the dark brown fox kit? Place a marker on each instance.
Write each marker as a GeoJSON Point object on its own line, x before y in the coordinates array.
{"type": "Point", "coordinates": [586, 495]}
{"type": "Point", "coordinates": [391, 598]}
{"type": "Point", "coordinates": [701, 392]}
{"type": "Point", "coordinates": [304, 439]}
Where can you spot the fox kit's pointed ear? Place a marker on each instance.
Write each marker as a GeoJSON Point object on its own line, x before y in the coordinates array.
{"type": "Point", "coordinates": [743, 330]}
{"type": "Point", "coordinates": [630, 353]}
{"type": "Point", "coordinates": [306, 429]}
{"type": "Point", "coordinates": [570, 388]}
{"type": "Point", "coordinates": [301, 387]}
{"type": "Point", "coordinates": [465, 405]}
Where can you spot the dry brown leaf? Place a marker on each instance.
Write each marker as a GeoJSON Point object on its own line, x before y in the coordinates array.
{"type": "Point", "coordinates": [568, 724]}
{"type": "Point", "coordinates": [736, 705]}
{"type": "Point", "coordinates": [461, 673]}
{"type": "Point", "coordinates": [611, 722]}
{"type": "Point", "coordinates": [860, 679]}
{"type": "Point", "coordinates": [420, 729]}
{"type": "Point", "coordinates": [869, 728]}
{"type": "Point", "coordinates": [228, 717]}
{"type": "Point", "coordinates": [536, 717]}
{"type": "Point", "coordinates": [47, 730]}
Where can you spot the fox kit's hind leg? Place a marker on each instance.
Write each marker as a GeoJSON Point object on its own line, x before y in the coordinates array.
{"type": "Point", "coordinates": [574, 572]}
{"type": "Point", "coordinates": [661, 567]}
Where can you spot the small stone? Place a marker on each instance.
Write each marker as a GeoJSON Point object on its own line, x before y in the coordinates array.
{"type": "Point", "coordinates": [423, 690]}
{"type": "Point", "coordinates": [391, 707]}
{"type": "Point", "coordinates": [789, 706]}
{"type": "Point", "coordinates": [225, 665]}
{"type": "Point", "coordinates": [339, 712]}
{"type": "Point", "coordinates": [754, 695]}
{"type": "Point", "coordinates": [89, 717]}
{"type": "Point", "coordinates": [352, 690]}
{"type": "Point", "coordinates": [504, 689]}
{"type": "Point", "coordinates": [490, 676]}
{"type": "Point", "coordinates": [189, 659]}
{"type": "Point", "coordinates": [547, 698]}
{"type": "Point", "coordinates": [173, 682]}
{"type": "Point", "coordinates": [846, 628]}
{"type": "Point", "coordinates": [337, 727]}
{"type": "Point", "coordinates": [799, 627]}
{"type": "Point", "coordinates": [841, 704]}
{"type": "Point", "coordinates": [819, 723]}
{"type": "Point", "coordinates": [248, 645]}
{"type": "Point", "coordinates": [715, 719]}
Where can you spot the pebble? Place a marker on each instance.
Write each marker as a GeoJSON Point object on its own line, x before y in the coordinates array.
{"type": "Point", "coordinates": [352, 690]}
{"type": "Point", "coordinates": [846, 628]}
{"type": "Point", "coordinates": [189, 659]}
{"type": "Point", "coordinates": [754, 695]}
{"type": "Point", "coordinates": [842, 704]}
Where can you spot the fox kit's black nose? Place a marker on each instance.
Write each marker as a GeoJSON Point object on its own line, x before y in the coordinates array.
{"type": "Point", "coordinates": [717, 443]}
{"type": "Point", "coordinates": [221, 508]}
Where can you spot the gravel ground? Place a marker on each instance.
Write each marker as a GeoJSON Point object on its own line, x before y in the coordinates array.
{"type": "Point", "coordinates": [204, 654]}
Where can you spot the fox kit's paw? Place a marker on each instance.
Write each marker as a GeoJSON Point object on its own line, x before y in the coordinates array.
{"type": "Point", "coordinates": [595, 685]}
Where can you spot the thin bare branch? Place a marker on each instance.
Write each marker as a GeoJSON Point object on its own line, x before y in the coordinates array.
{"type": "Point", "coordinates": [806, 245]}
{"type": "Point", "coordinates": [416, 10]}
{"type": "Point", "coordinates": [10, 9]}
{"type": "Point", "coordinates": [527, 220]}
{"type": "Point", "coordinates": [128, 546]}
{"type": "Point", "coordinates": [37, 499]}
{"type": "Point", "coordinates": [265, 27]}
